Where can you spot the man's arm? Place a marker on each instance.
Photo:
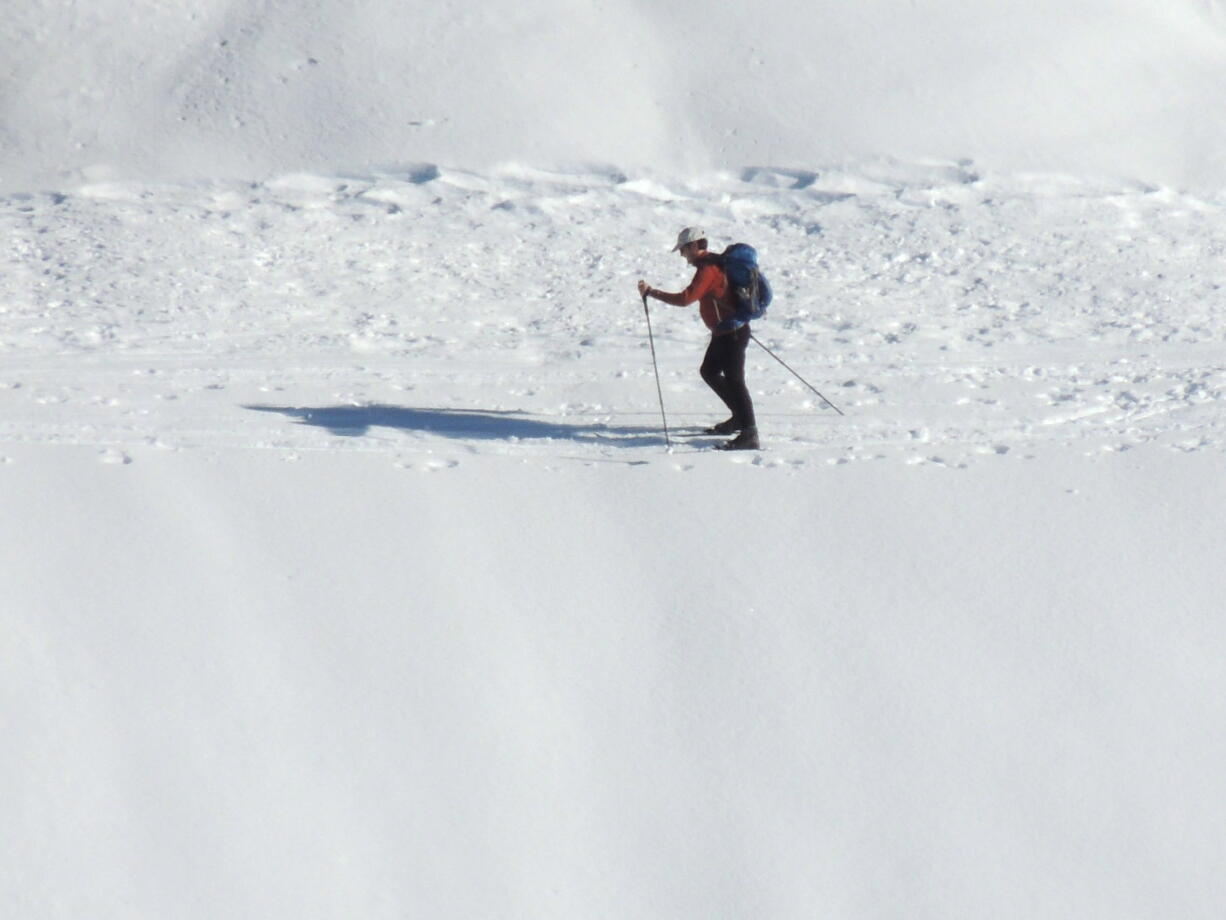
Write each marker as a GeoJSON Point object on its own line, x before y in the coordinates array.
{"type": "Point", "coordinates": [704, 279]}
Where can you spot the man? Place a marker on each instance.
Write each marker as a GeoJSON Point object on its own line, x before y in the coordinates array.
{"type": "Point", "coordinates": [723, 366]}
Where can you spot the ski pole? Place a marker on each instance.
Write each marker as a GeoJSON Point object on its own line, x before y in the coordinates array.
{"type": "Point", "coordinates": [798, 377]}
{"type": "Point", "coordinates": [660, 392]}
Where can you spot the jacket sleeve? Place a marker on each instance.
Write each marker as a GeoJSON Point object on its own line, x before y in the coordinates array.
{"type": "Point", "coordinates": [704, 280]}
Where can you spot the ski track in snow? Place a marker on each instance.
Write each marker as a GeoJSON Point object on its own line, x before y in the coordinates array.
{"type": "Point", "coordinates": [434, 315]}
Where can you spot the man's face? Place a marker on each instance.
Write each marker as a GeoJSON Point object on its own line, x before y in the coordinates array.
{"type": "Point", "coordinates": [691, 252]}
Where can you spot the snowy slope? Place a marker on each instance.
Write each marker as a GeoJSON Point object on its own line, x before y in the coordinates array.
{"type": "Point", "coordinates": [345, 571]}
{"type": "Point", "coordinates": [220, 87]}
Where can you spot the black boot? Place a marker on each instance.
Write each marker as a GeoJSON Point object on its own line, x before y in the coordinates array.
{"type": "Point", "coordinates": [746, 440]}
{"type": "Point", "coordinates": [727, 426]}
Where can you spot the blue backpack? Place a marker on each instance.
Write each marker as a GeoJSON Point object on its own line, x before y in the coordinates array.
{"type": "Point", "coordinates": [751, 290]}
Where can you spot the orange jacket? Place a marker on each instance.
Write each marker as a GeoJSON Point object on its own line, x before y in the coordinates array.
{"type": "Point", "coordinates": [710, 289]}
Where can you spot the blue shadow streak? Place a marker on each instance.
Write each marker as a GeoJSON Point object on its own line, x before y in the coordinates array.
{"type": "Point", "coordinates": [489, 425]}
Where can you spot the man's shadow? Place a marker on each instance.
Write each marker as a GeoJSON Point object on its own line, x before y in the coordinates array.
{"type": "Point", "coordinates": [491, 425]}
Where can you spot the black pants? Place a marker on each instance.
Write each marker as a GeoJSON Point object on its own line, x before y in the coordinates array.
{"type": "Point", "coordinates": [723, 369]}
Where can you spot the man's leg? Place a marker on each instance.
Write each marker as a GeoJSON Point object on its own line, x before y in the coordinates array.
{"type": "Point", "coordinates": [734, 378]}
{"type": "Point", "coordinates": [712, 370]}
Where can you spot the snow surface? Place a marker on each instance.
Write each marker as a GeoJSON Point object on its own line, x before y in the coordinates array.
{"type": "Point", "coordinates": [345, 570]}
{"type": "Point", "coordinates": [136, 89]}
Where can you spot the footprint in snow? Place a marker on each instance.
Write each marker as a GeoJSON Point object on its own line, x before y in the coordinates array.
{"type": "Point", "coordinates": [428, 466]}
{"type": "Point", "coordinates": [114, 457]}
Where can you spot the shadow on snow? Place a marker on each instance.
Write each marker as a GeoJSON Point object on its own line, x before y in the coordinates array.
{"type": "Point", "coordinates": [492, 425]}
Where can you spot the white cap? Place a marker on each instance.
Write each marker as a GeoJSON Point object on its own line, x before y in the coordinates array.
{"type": "Point", "coordinates": [689, 235]}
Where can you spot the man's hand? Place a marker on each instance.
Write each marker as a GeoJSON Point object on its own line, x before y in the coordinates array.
{"type": "Point", "coordinates": [644, 288]}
